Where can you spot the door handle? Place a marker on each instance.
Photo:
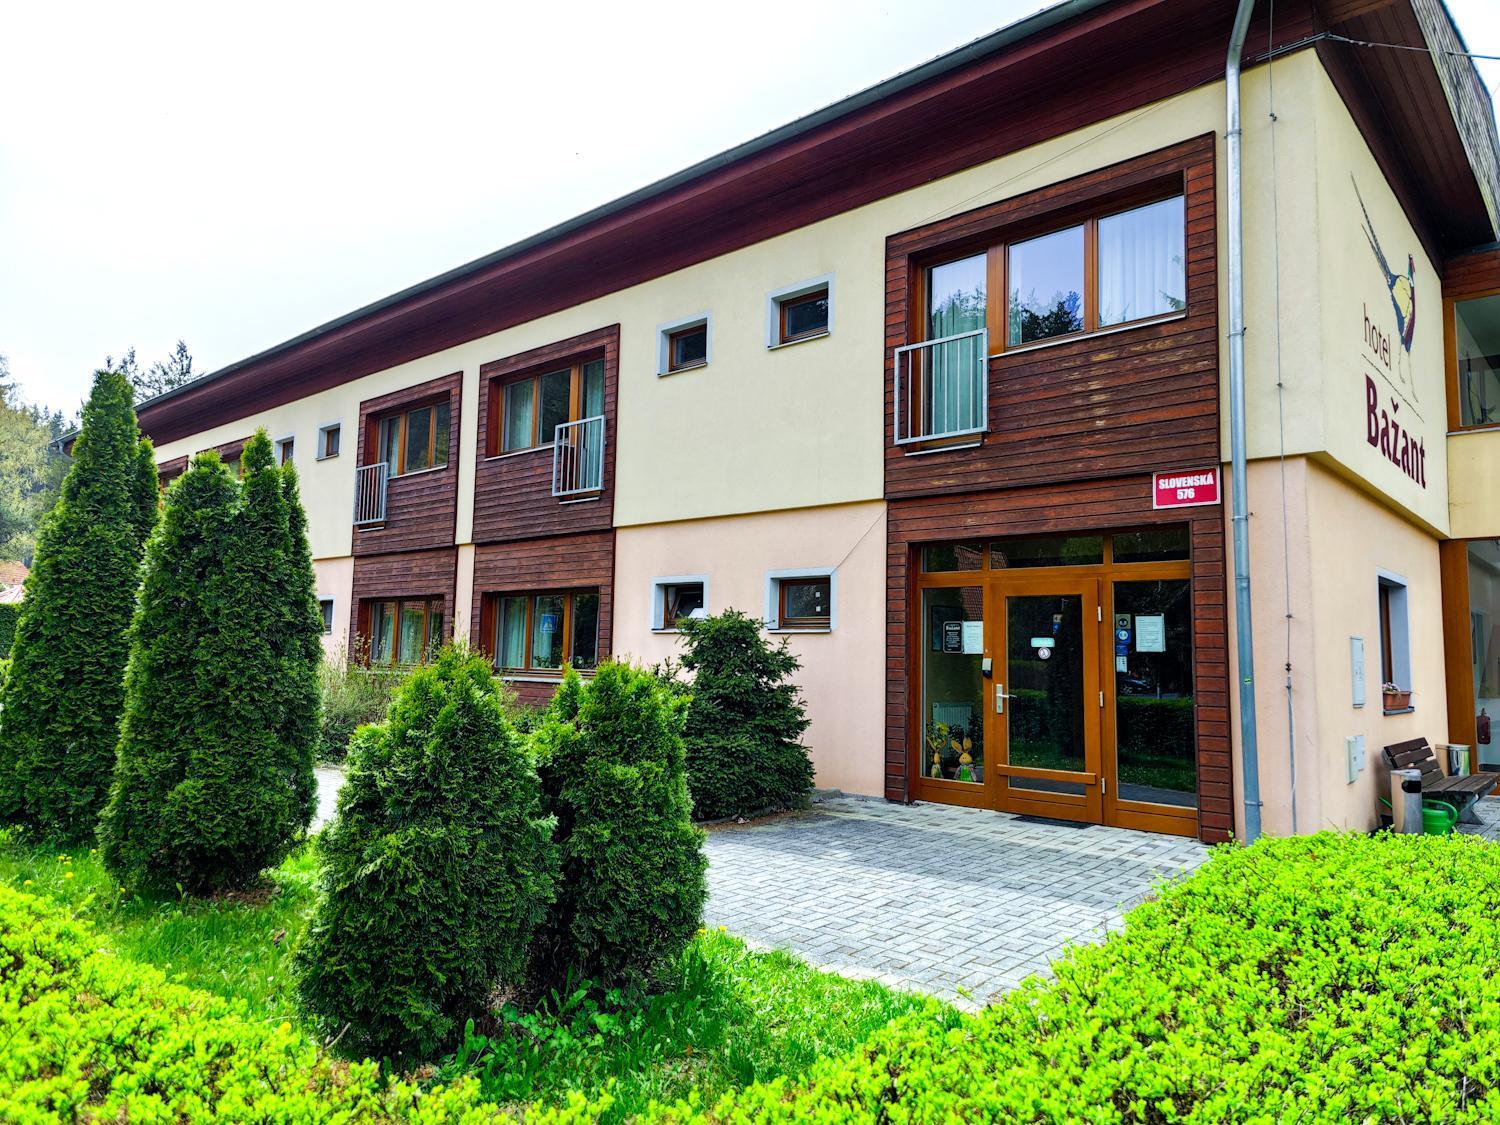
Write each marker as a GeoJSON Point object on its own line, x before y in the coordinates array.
{"type": "Point", "coordinates": [1000, 698]}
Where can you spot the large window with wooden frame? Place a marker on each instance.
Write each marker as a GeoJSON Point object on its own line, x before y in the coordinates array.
{"type": "Point", "coordinates": [1102, 271]}
{"type": "Point", "coordinates": [1476, 340]}
{"type": "Point", "coordinates": [526, 411]}
{"type": "Point", "coordinates": [414, 439]}
{"type": "Point", "coordinates": [403, 631]}
{"type": "Point", "coordinates": [542, 632]}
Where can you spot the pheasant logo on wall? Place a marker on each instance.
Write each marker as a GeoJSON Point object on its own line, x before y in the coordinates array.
{"type": "Point", "coordinates": [1401, 287]}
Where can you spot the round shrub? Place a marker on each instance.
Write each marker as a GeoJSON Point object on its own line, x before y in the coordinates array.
{"type": "Point", "coordinates": [62, 702]}
{"type": "Point", "coordinates": [437, 870]}
{"type": "Point", "coordinates": [632, 883]}
{"type": "Point", "coordinates": [745, 721]}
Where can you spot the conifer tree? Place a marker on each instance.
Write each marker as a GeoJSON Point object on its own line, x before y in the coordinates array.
{"type": "Point", "coordinates": [301, 652]}
{"type": "Point", "coordinates": [214, 776]}
{"type": "Point", "coordinates": [438, 869]}
{"type": "Point", "coordinates": [60, 706]}
{"type": "Point", "coordinates": [745, 721]}
{"type": "Point", "coordinates": [631, 884]}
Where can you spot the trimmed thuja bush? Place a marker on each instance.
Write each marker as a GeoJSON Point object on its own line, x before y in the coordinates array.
{"type": "Point", "coordinates": [60, 711]}
{"type": "Point", "coordinates": [437, 870]}
{"type": "Point", "coordinates": [213, 777]}
{"type": "Point", "coordinates": [632, 885]}
{"type": "Point", "coordinates": [93, 1037]}
{"type": "Point", "coordinates": [745, 721]}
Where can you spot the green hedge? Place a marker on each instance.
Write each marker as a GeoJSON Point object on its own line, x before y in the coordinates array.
{"type": "Point", "coordinates": [1321, 978]}
{"type": "Point", "coordinates": [9, 611]}
{"type": "Point", "coordinates": [91, 1037]}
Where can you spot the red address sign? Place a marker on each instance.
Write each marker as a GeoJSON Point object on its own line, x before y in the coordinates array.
{"type": "Point", "coordinates": [1188, 489]}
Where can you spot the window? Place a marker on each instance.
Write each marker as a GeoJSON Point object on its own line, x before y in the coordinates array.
{"type": "Point", "coordinates": [1477, 351]}
{"type": "Point", "coordinates": [525, 412]}
{"type": "Point", "coordinates": [543, 632]}
{"type": "Point", "coordinates": [416, 439]}
{"type": "Point", "coordinates": [1112, 269]}
{"type": "Point", "coordinates": [676, 598]}
{"type": "Point", "coordinates": [1395, 637]}
{"type": "Point", "coordinates": [1484, 630]}
{"type": "Point", "coordinates": [328, 442]}
{"type": "Point", "coordinates": [801, 600]}
{"type": "Point", "coordinates": [688, 348]}
{"type": "Point", "coordinates": [1046, 287]}
{"type": "Point", "coordinates": [800, 312]}
{"type": "Point", "coordinates": [406, 631]}
{"type": "Point", "coordinates": [284, 450]}
{"type": "Point", "coordinates": [1160, 544]}
{"type": "Point", "coordinates": [325, 606]}
{"type": "Point", "coordinates": [683, 345]}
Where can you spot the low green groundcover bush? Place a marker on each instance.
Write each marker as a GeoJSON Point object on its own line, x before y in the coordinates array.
{"type": "Point", "coordinates": [86, 1036]}
{"type": "Point", "coordinates": [1322, 978]}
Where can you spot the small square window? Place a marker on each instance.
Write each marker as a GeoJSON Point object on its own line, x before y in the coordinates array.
{"type": "Point", "coordinates": [328, 442]}
{"type": "Point", "coordinates": [683, 345]}
{"type": "Point", "coordinates": [677, 600]}
{"type": "Point", "coordinates": [688, 348]}
{"type": "Point", "coordinates": [325, 606]}
{"type": "Point", "coordinates": [804, 317]}
{"type": "Point", "coordinates": [284, 450]}
{"type": "Point", "coordinates": [801, 601]}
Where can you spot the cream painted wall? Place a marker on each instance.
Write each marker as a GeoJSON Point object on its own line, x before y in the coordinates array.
{"type": "Point", "coordinates": [1474, 484]}
{"type": "Point", "coordinates": [806, 420]}
{"type": "Point", "coordinates": [1340, 541]}
{"type": "Point", "coordinates": [843, 671]}
{"type": "Point", "coordinates": [335, 579]}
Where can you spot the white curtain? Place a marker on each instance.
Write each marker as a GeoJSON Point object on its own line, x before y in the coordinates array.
{"type": "Point", "coordinates": [1141, 263]}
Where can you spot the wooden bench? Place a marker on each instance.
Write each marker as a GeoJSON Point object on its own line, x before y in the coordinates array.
{"type": "Point", "coordinates": [1462, 792]}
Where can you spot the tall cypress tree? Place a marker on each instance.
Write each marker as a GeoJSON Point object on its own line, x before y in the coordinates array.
{"type": "Point", "coordinates": [177, 620]}
{"type": "Point", "coordinates": [301, 652]}
{"type": "Point", "coordinates": [214, 779]}
{"type": "Point", "coordinates": [60, 706]}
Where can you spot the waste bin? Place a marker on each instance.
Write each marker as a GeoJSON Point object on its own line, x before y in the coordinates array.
{"type": "Point", "coordinates": [1406, 801]}
{"type": "Point", "coordinates": [1459, 760]}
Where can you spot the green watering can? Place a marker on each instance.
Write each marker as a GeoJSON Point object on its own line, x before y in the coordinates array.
{"type": "Point", "coordinates": [1438, 818]}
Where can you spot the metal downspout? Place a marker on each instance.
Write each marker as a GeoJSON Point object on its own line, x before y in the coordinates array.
{"type": "Point", "coordinates": [1239, 488]}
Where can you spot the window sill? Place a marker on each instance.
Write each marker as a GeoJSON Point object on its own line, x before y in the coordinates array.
{"type": "Point", "coordinates": [1074, 337]}
{"type": "Point", "coordinates": [1489, 428]}
{"type": "Point", "coordinates": [682, 370]}
{"type": "Point", "coordinates": [1398, 711]}
{"type": "Point", "coordinates": [327, 457]}
{"type": "Point", "coordinates": [415, 473]}
{"type": "Point", "coordinates": [787, 629]}
{"type": "Point", "coordinates": [943, 445]}
{"type": "Point", "coordinates": [540, 677]}
{"type": "Point", "coordinates": [798, 340]}
{"type": "Point", "coordinates": [517, 452]}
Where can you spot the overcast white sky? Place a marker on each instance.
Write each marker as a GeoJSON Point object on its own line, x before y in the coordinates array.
{"type": "Point", "coordinates": [235, 175]}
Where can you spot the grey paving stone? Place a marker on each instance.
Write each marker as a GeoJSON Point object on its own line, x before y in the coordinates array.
{"type": "Point", "coordinates": [930, 897]}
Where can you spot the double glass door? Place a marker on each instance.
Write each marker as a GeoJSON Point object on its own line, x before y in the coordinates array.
{"type": "Point", "coordinates": [1063, 691]}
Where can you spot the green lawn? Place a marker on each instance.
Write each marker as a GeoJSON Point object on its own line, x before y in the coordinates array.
{"type": "Point", "coordinates": [728, 1016]}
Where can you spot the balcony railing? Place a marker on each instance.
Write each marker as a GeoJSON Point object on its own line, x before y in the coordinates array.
{"type": "Point", "coordinates": [578, 457]}
{"type": "Point", "coordinates": [369, 493]}
{"type": "Point", "coordinates": [942, 389]}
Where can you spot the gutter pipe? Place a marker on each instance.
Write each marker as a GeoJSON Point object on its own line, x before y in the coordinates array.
{"type": "Point", "coordinates": [1239, 488]}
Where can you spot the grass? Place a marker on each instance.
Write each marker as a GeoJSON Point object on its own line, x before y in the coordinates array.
{"type": "Point", "coordinates": [236, 947]}
{"type": "Point", "coordinates": [727, 1017]}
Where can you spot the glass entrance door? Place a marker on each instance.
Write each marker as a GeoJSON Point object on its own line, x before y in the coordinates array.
{"type": "Point", "coordinates": [1047, 703]}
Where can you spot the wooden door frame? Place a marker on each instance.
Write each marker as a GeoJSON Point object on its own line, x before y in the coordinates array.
{"type": "Point", "coordinates": [1084, 807]}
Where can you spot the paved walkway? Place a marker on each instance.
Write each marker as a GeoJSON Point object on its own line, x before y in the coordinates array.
{"type": "Point", "coordinates": [959, 903]}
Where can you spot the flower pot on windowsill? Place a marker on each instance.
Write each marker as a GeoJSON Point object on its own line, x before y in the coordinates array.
{"type": "Point", "coordinates": [1396, 700]}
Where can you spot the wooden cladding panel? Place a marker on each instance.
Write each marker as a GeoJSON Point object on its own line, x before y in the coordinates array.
{"type": "Point", "coordinates": [1115, 403]}
{"type": "Point", "coordinates": [562, 562]}
{"type": "Point", "coordinates": [170, 469]}
{"type": "Point", "coordinates": [1072, 507]}
{"type": "Point", "coordinates": [405, 574]}
{"type": "Point", "coordinates": [513, 493]}
{"type": "Point", "coordinates": [421, 509]}
{"type": "Point", "coordinates": [1472, 274]}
